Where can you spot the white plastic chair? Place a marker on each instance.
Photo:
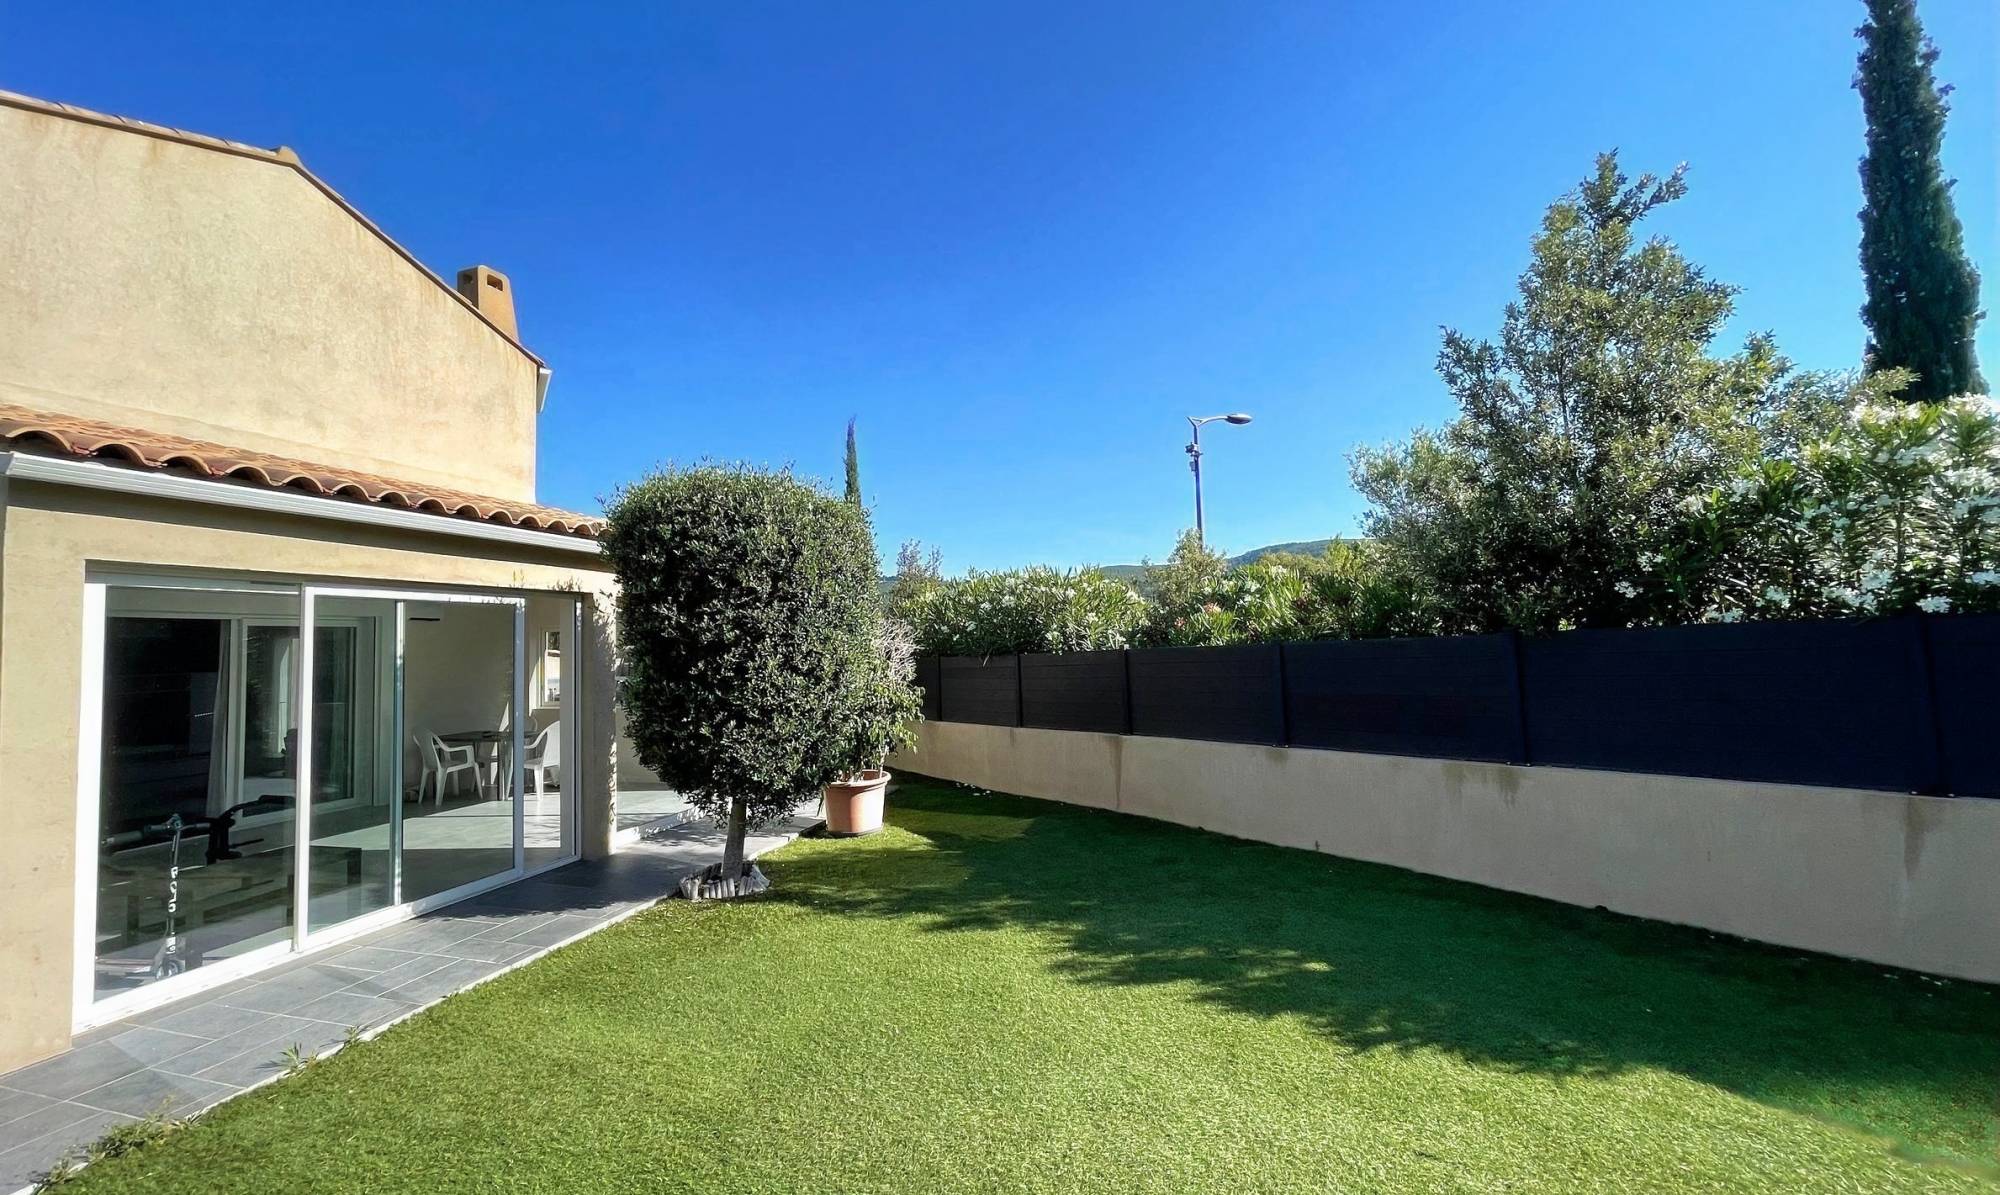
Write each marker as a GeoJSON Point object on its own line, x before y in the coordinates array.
{"type": "Point", "coordinates": [544, 757]}
{"type": "Point", "coordinates": [441, 764]}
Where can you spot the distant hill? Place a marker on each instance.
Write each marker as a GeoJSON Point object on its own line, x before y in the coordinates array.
{"type": "Point", "coordinates": [1135, 574]}
{"type": "Point", "coordinates": [1301, 547]}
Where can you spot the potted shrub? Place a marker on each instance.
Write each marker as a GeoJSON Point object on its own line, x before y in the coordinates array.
{"type": "Point", "coordinates": [885, 711]}
{"type": "Point", "coordinates": [746, 624]}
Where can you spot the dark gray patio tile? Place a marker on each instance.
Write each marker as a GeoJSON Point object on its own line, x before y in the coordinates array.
{"type": "Point", "coordinates": [202, 999]}
{"type": "Point", "coordinates": [79, 1070]}
{"type": "Point", "coordinates": [372, 958]}
{"type": "Point", "coordinates": [250, 1067]}
{"type": "Point", "coordinates": [354, 1008]}
{"type": "Point", "coordinates": [153, 1046]}
{"type": "Point", "coordinates": [269, 1035]}
{"type": "Point", "coordinates": [426, 934]}
{"type": "Point", "coordinates": [25, 1163]}
{"type": "Point", "coordinates": [58, 1117]}
{"type": "Point", "coordinates": [488, 950]}
{"type": "Point", "coordinates": [443, 981]}
{"type": "Point", "coordinates": [341, 970]}
{"type": "Point", "coordinates": [413, 966]}
{"type": "Point", "coordinates": [477, 910]}
{"type": "Point", "coordinates": [557, 929]}
{"type": "Point", "coordinates": [152, 1091]}
{"type": "Point", "coordinates": [211, 1020]}
{"type": "Point", "coordinates": [16, 1104]}
{"type": "Point", "coordinates": [534, 896]}
{"type": "Point", "coordinates": [286, 992]}
{"type": "Point", "coordinates": [578, 877]}
{"type": "Point", "coordinates": [520, 923]}
{"type": "Point", "coordinates": [265, 1060]}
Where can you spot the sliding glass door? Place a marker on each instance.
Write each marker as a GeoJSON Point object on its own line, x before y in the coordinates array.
{"type": "Point", "coordinates": [462, 699]}
{"type": "Point", "coordinates": [193, 815]}
{"type": "Point", "coordinates": [356, 772]}
{"type": "Point", "coordinates": [233, 819]}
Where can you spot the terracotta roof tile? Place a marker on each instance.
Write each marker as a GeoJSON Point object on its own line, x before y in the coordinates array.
{"type": "Point", "coordinates": [81, 437]}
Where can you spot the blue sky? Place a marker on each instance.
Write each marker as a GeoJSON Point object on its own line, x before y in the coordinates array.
{"type": "Point", "coordinates": [1020, 241]}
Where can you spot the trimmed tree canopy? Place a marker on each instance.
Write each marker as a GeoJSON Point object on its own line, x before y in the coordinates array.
{"type": "Point", "coordinates": [747, 620]}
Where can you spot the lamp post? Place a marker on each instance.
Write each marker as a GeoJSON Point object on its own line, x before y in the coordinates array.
{"type": "Point", "coordinates": [1194, 457]}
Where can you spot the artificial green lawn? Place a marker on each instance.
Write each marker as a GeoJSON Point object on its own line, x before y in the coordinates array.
{"type": "Point", "coordinates": [1006, 995]}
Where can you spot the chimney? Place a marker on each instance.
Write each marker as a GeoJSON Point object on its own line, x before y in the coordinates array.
{"type": "Point", "coordinates": [488, 289]}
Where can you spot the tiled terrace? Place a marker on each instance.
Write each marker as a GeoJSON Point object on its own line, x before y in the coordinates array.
{"type": "Point", "coordinates": [190, 1055]}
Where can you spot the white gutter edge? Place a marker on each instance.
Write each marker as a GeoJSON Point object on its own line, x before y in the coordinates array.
{"type": "Point", "coordinates": [96, 475]}
{"type": "Point", "coordinates": [542, 375]}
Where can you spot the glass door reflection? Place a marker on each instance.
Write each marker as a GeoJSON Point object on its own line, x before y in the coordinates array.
{"type": "Point", "coordinates": [198, 743]}
{"type": "Point", "coordinates": [356, 771]}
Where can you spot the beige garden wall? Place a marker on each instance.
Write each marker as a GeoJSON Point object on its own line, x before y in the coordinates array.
{"type": "Point", "coordinates": [53, 537]}
{"type": "Point", "coordinates": [1903, 880]}
{"type": "Point", "coordinates": [223, 296]}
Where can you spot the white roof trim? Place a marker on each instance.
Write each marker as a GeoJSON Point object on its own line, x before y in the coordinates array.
{"type": "Point", "coordinates": [97, 475]}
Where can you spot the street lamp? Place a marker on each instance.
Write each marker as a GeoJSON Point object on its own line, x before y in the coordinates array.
{"type": "Point", "coordinates": [1194, 457]}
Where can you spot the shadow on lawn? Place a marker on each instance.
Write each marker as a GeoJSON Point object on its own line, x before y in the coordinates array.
{"type": "Point", "coordinates": [1376, 958]}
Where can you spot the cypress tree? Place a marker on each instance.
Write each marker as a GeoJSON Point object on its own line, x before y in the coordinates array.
{"type": "Point", "coordinates": [1923, 295]}
{"type": "Point", "coordinates": [853, 468]}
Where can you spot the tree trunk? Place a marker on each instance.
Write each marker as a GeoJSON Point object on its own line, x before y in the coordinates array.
{"type": "Point", "coordinates": [732, 849]}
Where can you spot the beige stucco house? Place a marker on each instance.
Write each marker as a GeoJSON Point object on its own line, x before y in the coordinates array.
{"type": "Point", "coordinates": [251, 449]}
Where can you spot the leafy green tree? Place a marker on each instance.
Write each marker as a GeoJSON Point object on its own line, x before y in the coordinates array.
{"type": "Point", "coordinates": [1923, 294]}
{"type": "Point", "coordinates": [917, 573]}
{"type": "Point", "coordinates": [853, 467]}
{"type": "Point", "coordinates": [1345, 592]}
{"type": "Point", "coordinates": [1580, 433]}
{"type": "Point", "coordinates": [1184, 590]}
{"type": "Point", "coordinates": [749, 632]}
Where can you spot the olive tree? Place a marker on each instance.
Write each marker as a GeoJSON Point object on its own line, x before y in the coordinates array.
{"type": "Point", "coordinates": [747, 629]}
{"type": "Point", "coordinates": [1582, 430]}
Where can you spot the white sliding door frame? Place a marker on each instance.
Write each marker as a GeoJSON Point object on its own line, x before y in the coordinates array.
{"type": "Point", "coordinates": [399, 909]}
{"type": "Point", "coordinates": [86, 1009]}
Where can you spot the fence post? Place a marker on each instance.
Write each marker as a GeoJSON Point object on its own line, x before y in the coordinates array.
{"type": "Point", "coordinates": [1939, 772]}
{"type": "Point", "coordinates": [1125, 659]}
{"type": "Point", "coordinates": [1020, 701]}
{"type": "Point", "coordinates": [1522, 752]}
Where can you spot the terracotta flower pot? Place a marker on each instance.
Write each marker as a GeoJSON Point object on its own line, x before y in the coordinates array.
{"type": "Point", "coordinates": [854, 805]}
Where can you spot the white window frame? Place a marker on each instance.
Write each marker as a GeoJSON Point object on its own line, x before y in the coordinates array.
{"type": "Point", "coordinates": [87, 1010]}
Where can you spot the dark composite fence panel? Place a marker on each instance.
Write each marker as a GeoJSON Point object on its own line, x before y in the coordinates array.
{"type": "Point", "coordinates": [1229, 694]}
{"type": "Point", "coordinates": [1449, 698]}
{"type": "Point", "coordinates": [1082, 690]}
{"type": "Point", "coordinates": [1965, 662]}
{"type": "Point", "coordinates": [980, 689]}
{"type": "Point", "coordinates": [927, 679]}
{"type": "Point", "coordinates": [1839, 703]}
